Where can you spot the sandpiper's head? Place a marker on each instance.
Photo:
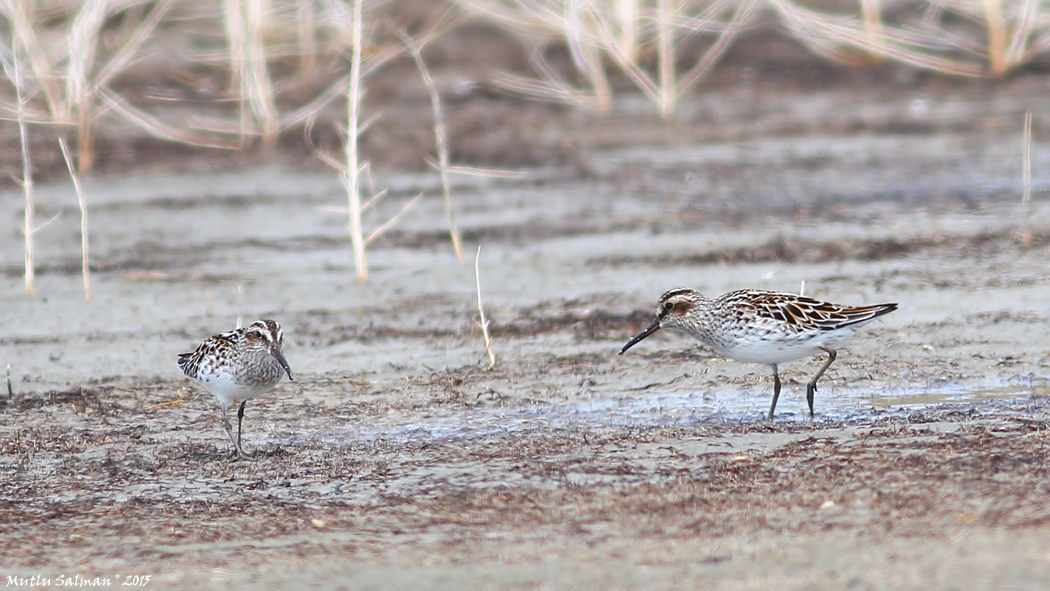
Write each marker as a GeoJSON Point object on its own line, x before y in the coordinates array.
{"type": "Point", "coordinates": [268, 333]}
{"type": "Point", "coordinates": [671, 313]}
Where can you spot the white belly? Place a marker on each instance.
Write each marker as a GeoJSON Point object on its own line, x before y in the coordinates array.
{"type": "Point", "coordinates": [774, 351]}
{"type": "Point", "coordinates": [224, 387]}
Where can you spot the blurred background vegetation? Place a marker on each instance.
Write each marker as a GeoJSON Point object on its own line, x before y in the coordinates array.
{"type": "Point", "coordinates": [164, 66]}
{"type": "Point", "coordinates": [205, 75]}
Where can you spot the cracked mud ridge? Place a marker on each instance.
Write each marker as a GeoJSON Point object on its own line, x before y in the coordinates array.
{"type": "Point", "coordinates": [396, 459]}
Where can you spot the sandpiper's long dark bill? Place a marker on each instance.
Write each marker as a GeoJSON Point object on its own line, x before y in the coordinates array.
{"type": "Point", "coordinates": [655, 326]}
{"type": "Point", "coordinates": [275, 350]}
{"type": "Point", "coordinates": [765, 327]}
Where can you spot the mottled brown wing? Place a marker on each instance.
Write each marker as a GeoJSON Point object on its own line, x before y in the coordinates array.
{"type": "Point", "coordinates": [808, 313]}
{"type": "Point", "coordinates": [190, 362]}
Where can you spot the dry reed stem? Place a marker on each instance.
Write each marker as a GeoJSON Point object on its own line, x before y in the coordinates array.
{"type": "Point", "coordinates": [745, 11]}
{"type": "Point", "coordinates": [440, 139]}
{"type": "Point", "coordinates": [594, 33]}
{"type": "Point", "coordinates": [586, 54]}
{"type": "Point", "coordinates": [24, 35]}
{"type": "Point", "coordinates": [240, 305]}
{"type": "Point", "coordinates": [872, 16]}
{"type": "Point", "coordinates": [249, 72]}
{"type": "Point", "coordinates": [627, 12]}
{"type": "Point", "coordinates": [1026, 180]}
{"type": "Point", "coordinates": [83, 220]}
{"type": "Point", "coordinates": [307, 31]}
{"type": "Point", "coordinates": [84, 33]}
{"type": "Point", "coordinates": [1017, 52]}
{"type": "Point", "coordinates": [353, 169]}
{"type": "Point", "coordinates": [83, 80]}
{"type": "Point", "coordinates": [573, 22]}
{"type": "Point", "coordinates": [993, 18]}
{"type": "Point", "coordinates": [15, 73]}
{"type": "Point", "coordinates": [260, 85]}
{"type": "Point", "coordinates": [235, 36]}
{"type": "Point", "coordinates": [665, 54]}
{"type": "Point", "coordinates": [481, 311]}
{"type": "Point", "coordinates": [124, 57]}
{"type": "Point", "coordinates": [827, 35]}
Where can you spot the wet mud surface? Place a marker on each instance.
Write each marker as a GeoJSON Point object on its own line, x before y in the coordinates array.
{"type": "Point", "coordinates": [397, 459]}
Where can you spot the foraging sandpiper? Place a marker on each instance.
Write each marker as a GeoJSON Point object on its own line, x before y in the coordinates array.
{"type": "Point", "coordinates": [765, 327]}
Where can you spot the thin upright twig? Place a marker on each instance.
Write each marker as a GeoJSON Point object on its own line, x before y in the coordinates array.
{"type": "Point", "coordinates": [236, 35]}
{"type": "Point", "coordinates": [668, 95]}
{"type": "Point", "coordinates": [260, 85]}
{"type": "Point", "coordinates": [240, 305]}
{"type": "Point", "coordinates": [83, 219]}
{"type": "Point", "coordinates": [27, 170]}
{"type": "Point", "coordinates": [440, 138]}
{"type": "Point", "coordinates": [481, 311]}
{"type": "Point", "coordinates": [353, 168]}
{"type": "Point", "coordinates": [1026, 180]}
{"type": "Point", "coordinates": [84, 32]}
{"type": "Point", "coordinates": [996, 36]}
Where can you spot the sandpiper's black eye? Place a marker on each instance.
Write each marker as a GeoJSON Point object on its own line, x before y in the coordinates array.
{"type": "Point", "coordinates": [668, 305]}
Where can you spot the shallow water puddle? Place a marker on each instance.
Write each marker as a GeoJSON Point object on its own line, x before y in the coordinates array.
{"type": "Point", "coordinates": [661, 410]}
{"type": "Point", "coordinates": [963, 393]}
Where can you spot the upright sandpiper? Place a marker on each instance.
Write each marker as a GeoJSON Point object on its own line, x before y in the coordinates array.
{"type": "Point", "coordinates": [237, 366]}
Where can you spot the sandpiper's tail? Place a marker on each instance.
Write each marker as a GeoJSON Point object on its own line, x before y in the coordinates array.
{"type": "Point", "coordinates": [861, 314]}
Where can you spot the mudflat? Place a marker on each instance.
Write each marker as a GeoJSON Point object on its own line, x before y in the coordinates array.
{"type": "Point", "coordinates": [398, 459]}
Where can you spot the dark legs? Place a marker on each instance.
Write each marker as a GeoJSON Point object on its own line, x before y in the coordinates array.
{"type": "Point", "coordinates": [238, 451]}
{"type": "Point", "coordinates": [811, 387]}
{"type": "Point", "coordinates": [776, 392]}
{"type": "Point", "coordinates": [240, 419]}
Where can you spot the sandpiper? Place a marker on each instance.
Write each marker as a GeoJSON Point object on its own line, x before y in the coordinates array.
{"type": "Point", "coordinates": [765, 327]}
{"type": "Point", "coordinates": [237, 366]}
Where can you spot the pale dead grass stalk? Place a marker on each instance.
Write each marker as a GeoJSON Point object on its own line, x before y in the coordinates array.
{"type": "Point", "coordinates": [235, 38]}
{"type": "Point", "coordinates": [15, 73]}
{"type": "Point", "coordinates": [627, 12]}
{"type": "Point", "coordinates": [1026, 180]}
{"type": "Point", "coordinates": [307, 21]}
{"type": "Point", "coordinates": [240, 305]}
{"type": "Point", "coordinates": [352, 172]}
{"type": "Point", "coordinates": [250, 76]}
{"type": "Point", "coordinates": [440, 139]}
{"type": "Point", "coordinates": [260, 84]}
{"type": "Point", "coordinates": [668, 94]}
{"type": "Point", "coordinates": [83, 43]}
{"type": "Point", "coordinates": [838, 36]}
{"type": "Point", "coordinates": [85, 79]}
{"type": "Point", "coordinates": [481, 311]}
{"type": "Point", "coordinates": [586, 53]}
{"type": "Point", "coordinates": [84, 270]}
{"type": "Point", "coordinates": [24, 35]}
{"type": "Point", "coordinates": [872, 15]}
{"type": "Point", "coordinates": [597, 36]}
{"type": "Point", "coordinates": [996, 36]}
